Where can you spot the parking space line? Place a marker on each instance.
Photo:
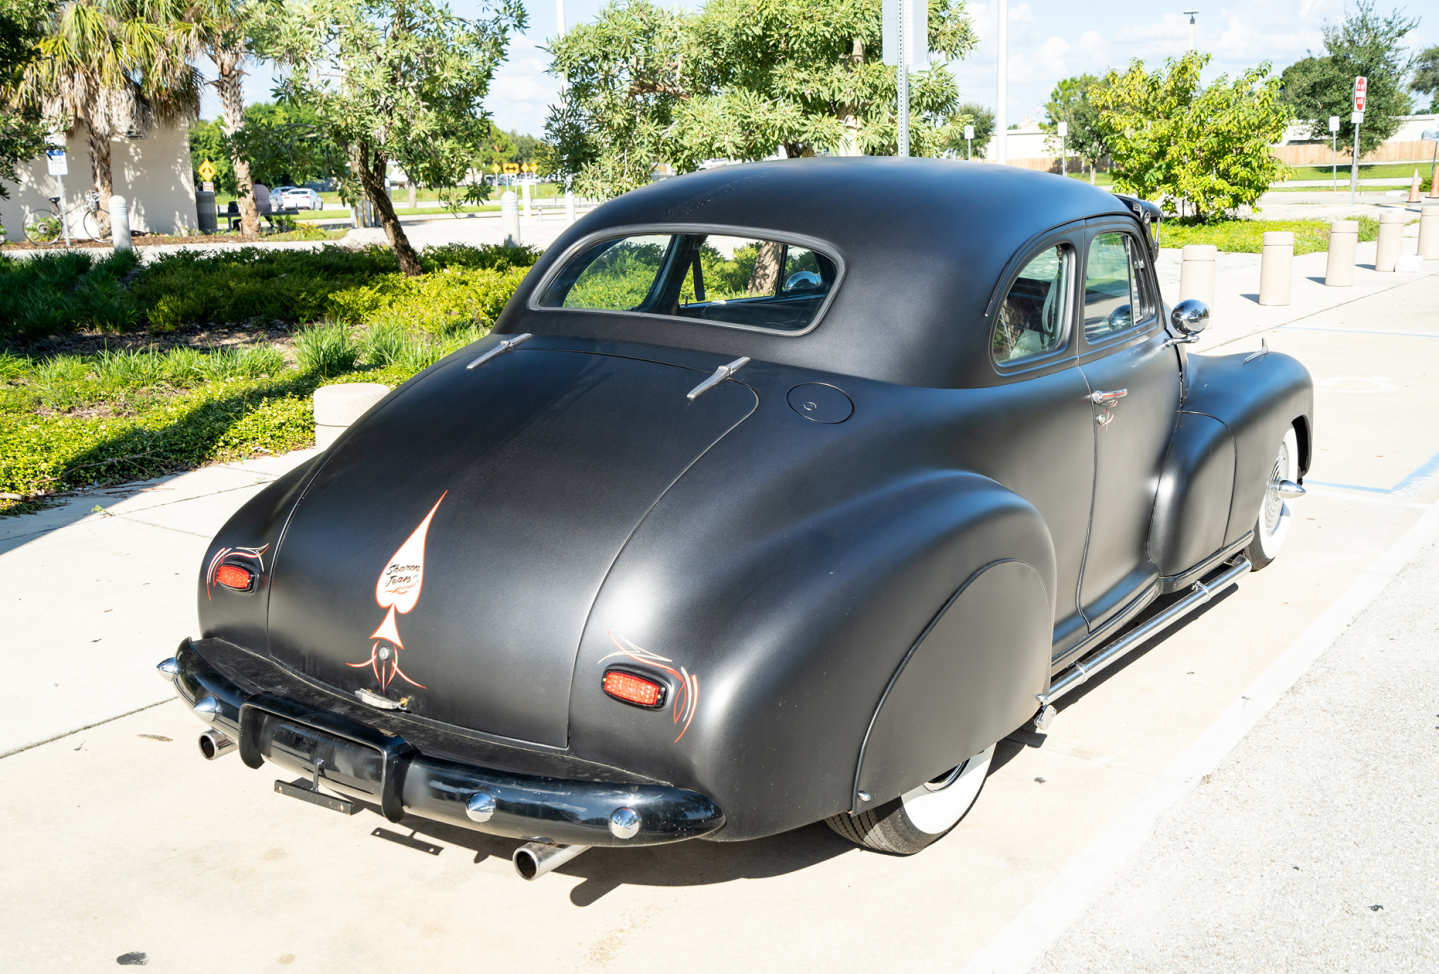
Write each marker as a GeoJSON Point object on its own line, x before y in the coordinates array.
{"type": "Point", "coordinates": [1415, 480]}
{"type": "Point", "coordinates": [1039, 924]}
{"type": "Point", "coordinates": [1361, 331]}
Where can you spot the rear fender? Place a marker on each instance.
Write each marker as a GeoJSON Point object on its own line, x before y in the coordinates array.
{"type": "Point", "coordinates": [970, 678]}
{"type": "Point", "coordinates": [794, 633]}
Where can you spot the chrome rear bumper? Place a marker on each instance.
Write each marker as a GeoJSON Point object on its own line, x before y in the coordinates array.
{"type": "Point", "coordinates": [353, 759]}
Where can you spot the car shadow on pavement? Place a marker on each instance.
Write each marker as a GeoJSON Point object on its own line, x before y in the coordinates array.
{"type": "Point", "coordinates": [694, 863]}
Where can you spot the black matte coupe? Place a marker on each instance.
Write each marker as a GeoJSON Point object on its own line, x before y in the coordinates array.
{"type": "Point", "coordinates": [780, 493]}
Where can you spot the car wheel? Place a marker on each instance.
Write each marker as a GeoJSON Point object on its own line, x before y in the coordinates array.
{"type": "Point", "coordinates": [917, 818]}
{"type": "Point", "coordinates": [1272, 525]}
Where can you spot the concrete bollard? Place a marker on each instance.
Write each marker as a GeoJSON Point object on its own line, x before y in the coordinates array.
{"type": "Point", "coordinates": [1339, 268]}
{"type": "Point", "coordinates": [1196, 273]}
{"type": "Point", "coordinates": [510, 217]}
{"type": "Point", "coordinates": [1391, 235]}
{"type": "Point", "coordinates": [337, 406]}
{"type": "Point", "coordinates": [525, 198]}
{"type": "Point", "coordinates": [569, 206]}
{"type": "Point", "coordinates": [1429, 233]}
{"type": "Point", "coordinates": [1276, 267]}
{"type": "Point", "coordinates": [119, 223]}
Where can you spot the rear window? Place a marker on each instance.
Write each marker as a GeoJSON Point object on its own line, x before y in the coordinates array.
{"type": "Point", "coordinates": [728, 279]}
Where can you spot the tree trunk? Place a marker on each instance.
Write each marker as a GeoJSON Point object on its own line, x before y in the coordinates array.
{"type": "Point", "coordinates": [849, 144]}
{"type": "Point", "coordinates": [232, 116]}
{"type": "Point", "coordinates": [100, 173]}
{"type": "Point", "coordinates": [764, 279]}
{"type": "Point", "coordinates": [371, 171]}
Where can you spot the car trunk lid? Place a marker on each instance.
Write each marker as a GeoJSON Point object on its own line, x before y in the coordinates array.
{"type": "Point", "coordinates": [449, 551]}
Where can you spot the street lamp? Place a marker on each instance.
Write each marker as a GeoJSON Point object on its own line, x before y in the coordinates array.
{"type": "Point", "coordinates": [1193, 28]}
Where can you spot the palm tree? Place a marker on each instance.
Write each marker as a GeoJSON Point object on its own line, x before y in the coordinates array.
{"type": "Point", "coordinates": [114, 65]}
{"type": "Point", "coordinates": [219, 30]}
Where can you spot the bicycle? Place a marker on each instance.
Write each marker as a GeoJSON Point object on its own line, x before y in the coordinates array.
{"type": "Point", "coordinates": [46, 228]}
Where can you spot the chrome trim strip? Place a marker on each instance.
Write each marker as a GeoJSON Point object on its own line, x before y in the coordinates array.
{"type": "Point", "coordinates": [500, 349]}
{"type": "Point", "coordinates": [719, 375]}
{"type": "Point", "coordinates": [1201, 593]}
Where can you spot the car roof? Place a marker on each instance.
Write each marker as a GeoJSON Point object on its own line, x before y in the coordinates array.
{"type": "Point", "coordinates": [923, 243]}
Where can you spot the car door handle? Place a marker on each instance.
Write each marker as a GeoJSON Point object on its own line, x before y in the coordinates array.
{"type": "Point", "coordinates": [1102, 398]}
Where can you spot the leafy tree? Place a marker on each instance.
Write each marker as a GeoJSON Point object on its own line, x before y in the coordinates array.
{"type": "Point", "coordinates": [22, 25]}
{"type": "Point", "coordinates": [951, 136]}
{"type": "Point", "coordinates": [622, 86]}
{"type": "Point", "coordinates": [208, 143]}
{"type": "Point", "coordinates": [1209, 147]}
{"type": "Point", "coordinates": [117, 66]}
{"type": "Point", "coordinates": [287, 144]}
{"type": "Point", "coordinates": [1426, 76]}
{"type": "Point", "coordinates": [1070, 102]}
{"type": "Point", "coordinates": [740, 80]}
{"type": "Point", "coordinates": [401, 80]}
{"type": "Point", "coordinates": [1366, 44]}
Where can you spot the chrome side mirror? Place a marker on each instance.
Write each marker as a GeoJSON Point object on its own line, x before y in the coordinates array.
{"type": "Point", "coordinates": [1189, 318]}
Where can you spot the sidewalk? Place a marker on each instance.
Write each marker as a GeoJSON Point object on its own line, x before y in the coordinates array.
{"type": "Point", "coordinates": [100, 587]}
{"type": "Point", "coordinates": [1314, 846]}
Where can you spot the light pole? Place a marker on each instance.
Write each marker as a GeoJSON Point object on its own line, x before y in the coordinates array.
{"type": "Point", "coordinates": [1001, 117]}
{"type": "Point", "coordinates": [1193, 29]}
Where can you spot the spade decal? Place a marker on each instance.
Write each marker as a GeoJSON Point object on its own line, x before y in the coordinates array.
{"type": "Point", "coordinates": [396, 591]}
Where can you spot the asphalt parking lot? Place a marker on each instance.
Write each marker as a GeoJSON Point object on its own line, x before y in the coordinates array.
{"type": "Point", "coordinates": [1154, 828]}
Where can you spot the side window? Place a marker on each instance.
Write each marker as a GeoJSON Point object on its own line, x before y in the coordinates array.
{"type": "Point", "coordinates": [1116, 293]}
{"type": "Point", "coordinates": [1033, 317]}
{"type": "Point", "coordinates": [617, 275]}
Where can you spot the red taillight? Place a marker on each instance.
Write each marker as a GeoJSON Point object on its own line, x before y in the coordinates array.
{"type": "Point", "coordinates": [233, 576]}
{"type": "Point", "coordinates": [634, 689]}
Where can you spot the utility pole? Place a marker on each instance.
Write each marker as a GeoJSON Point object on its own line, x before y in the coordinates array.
{"type": "Point", "coordinates": [560, 18]}
{"type": "Point", "coordinates": [1193, 29]}
{"type": "Point", "coordinates": [1001, 116]}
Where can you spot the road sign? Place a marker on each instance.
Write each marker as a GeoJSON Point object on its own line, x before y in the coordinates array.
{"type": "Point", "coordinates": [969, 131]}
{"type": "Point", "coordinates": [511, 168]}
{"type": "Point", "coordinates": [1334, 123]}
{"type": "Point", "coordinates": [55, 160]}
{"type": "Point", "coordinates": [916, 40]}
{"type": "Point", "coordinates": [206, 171]}
{"type": "Point", "coordinates": [1361, 90]}
{"type": "Point", "coordinates": [1063, 129]}
{"type": "Point", "coordinates": [1357, 117]}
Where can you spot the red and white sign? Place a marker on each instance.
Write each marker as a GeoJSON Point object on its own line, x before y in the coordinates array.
{"type": "Point", "coordinates": [1361, 87]}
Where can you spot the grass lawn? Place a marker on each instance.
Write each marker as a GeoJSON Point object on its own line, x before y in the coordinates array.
{"type": "Point", "coordinates": [1383, 170]}
{"type": "Point", "coordinates": [111, 371]}
{"type": "Point", "coordinates": [1247, 236]}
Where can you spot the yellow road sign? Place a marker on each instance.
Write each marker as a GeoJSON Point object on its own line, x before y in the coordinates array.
{"type": "Point", "coordinates": [207, 170]}
{"type": "Point", "coordinates": [511, 168]}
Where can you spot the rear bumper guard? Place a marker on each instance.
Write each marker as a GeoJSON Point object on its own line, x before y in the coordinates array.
{"type": "Point", "coordinates": [362, 762]}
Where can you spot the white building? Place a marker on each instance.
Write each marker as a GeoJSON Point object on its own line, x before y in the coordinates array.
{"type": "Point", "coordinates": [152, 172]}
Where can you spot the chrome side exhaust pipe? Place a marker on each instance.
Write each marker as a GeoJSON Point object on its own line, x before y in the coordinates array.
{"type": "Point", "coordinates": [533, 859]}
{"type": "Point", "coordinates": [214, 745]}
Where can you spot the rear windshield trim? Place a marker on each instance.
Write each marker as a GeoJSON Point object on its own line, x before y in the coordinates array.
{"type": "Point", "coordinates": [721, 229]}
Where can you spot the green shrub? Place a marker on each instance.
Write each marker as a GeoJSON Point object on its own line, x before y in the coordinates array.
{"type": "Point", "coordinates": [62, 292]}
{"type": "Point", "coordinates": [385, 343]}
{"type": "Point", "coordinates": [327, 349]}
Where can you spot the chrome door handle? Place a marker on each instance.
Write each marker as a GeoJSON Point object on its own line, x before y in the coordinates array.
{"type": "Point", "coordinates": [1100, 398]}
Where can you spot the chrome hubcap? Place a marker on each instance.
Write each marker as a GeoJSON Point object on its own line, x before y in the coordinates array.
{"type": "Point", "coordinates": [1273, 500]}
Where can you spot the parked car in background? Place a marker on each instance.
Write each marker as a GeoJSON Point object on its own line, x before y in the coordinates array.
{"type": "Point", "coordinates": [781, 492]}
{"type": "Point", "coordinates": [296, 198]}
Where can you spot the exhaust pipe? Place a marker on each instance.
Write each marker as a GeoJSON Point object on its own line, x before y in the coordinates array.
{"type": "Point", "coordinates": [533, 859]}
{"type": "Point", "coordinates": [214, 745]}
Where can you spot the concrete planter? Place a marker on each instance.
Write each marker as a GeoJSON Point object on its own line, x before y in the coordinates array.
{"type": "Point", "coordinates": [337, 406]}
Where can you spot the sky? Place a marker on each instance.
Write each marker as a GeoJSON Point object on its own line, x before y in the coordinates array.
{"type": "Point", "coordinates": [1047, 41]}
